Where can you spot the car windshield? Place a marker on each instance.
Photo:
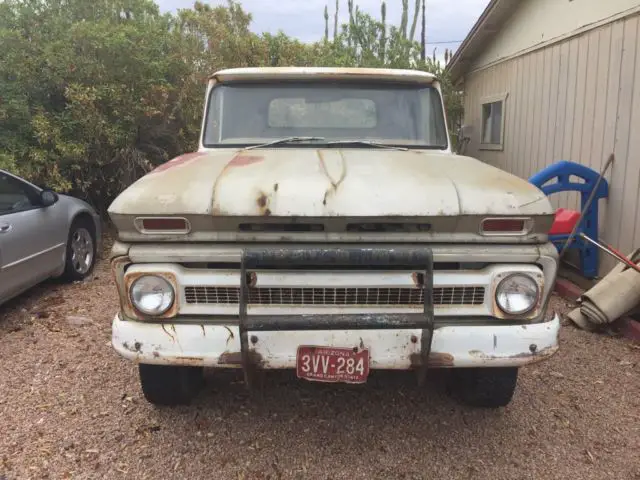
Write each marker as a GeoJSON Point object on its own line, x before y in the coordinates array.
{"type": "Point", "coordinates": [391, 114]}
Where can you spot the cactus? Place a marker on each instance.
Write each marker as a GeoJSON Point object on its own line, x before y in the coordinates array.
{"type": "Point", "coordinates": [423, 37]}
{"type": "Point", "coordinates": [326, 24]}
{"type": "Point", "coordinates": [405, 18]}
{"type": "Point", "coordinates": [414, 23]}
{"type": "Point", "coordinates": [335, 20]}
{"type": "Point", "coordinates": [383, 34]}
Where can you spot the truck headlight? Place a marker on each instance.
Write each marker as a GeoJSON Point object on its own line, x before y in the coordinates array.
{"type": "Point", "coordinates": [517, 294]}
{"type": "Point", "coordinates": [151, 295]}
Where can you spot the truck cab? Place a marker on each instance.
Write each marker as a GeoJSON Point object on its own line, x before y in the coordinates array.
{"type": "Point", "coordinates": [325, 225]}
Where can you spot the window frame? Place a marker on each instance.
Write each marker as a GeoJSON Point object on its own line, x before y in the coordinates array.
{"type": "Point", "coordinates": [31, 191]}
{"type": "Point", "coordinates": [499, 98]}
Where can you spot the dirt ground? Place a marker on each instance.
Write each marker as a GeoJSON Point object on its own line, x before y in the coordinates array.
{"type": "Point", "coordinates": [71, 408]}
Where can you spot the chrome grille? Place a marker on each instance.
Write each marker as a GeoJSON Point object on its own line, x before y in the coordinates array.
{"type": "Point", "coordinates": [443, 296]}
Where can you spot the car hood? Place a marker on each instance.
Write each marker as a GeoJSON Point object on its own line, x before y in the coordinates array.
{"type": "Point", "coordinates": [332, 182]}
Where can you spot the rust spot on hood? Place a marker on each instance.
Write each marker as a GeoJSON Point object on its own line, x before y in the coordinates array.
{"type": "Point", "coordinates": [262, 202]}
{"type": "Point", "coordinates": [177, 161]}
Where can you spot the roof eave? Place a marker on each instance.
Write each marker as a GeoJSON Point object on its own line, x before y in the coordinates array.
{"type": "Point", "coordinates": [483, 31]}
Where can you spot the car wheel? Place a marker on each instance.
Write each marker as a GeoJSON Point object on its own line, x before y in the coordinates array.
{"type": "Point", "coordinates": [484, 387]}
{"type": "Point", "coordinates": [81, 250]}
{"type": "Point", "coordinates": [170, 385]}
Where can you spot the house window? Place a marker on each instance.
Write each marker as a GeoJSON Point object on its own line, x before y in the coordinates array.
{"type": "Point", "coordinates": [493, 123]}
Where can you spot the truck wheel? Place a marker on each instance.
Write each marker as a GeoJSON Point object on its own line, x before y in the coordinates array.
{"type": "Point", "coordinates": [170, 385]}
{"type": "Point", "coordinates": [485, 387]}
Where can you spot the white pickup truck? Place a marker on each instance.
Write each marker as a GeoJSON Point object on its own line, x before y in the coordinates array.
{"type": "Point", "coordinates": [325, 225]}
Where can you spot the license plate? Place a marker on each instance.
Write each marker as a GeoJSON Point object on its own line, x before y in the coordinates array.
{"type": "Point", "coordinates": [331, 364]}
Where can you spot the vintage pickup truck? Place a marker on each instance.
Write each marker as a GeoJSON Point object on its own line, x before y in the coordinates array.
{"type": "Point", "coordinates": [325, 225]}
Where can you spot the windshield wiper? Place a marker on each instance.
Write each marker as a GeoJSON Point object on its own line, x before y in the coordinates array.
{"type": "Point", "coordinates": [281, 141]}
{"type": "Point", "coordinates": [368, 143]}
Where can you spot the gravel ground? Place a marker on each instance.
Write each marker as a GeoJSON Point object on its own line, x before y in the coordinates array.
{"type": "Point", "coordinates": [71, 408]}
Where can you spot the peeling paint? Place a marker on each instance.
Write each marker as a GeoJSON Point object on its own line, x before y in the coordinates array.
{"type": "Point", "coordinates": [135, 348]}
{"type": "Point", "coordinates": [230, 337]}
{"type": "Point", "coordinates": [537, 356]}
{"type": "Point", "coordinates": [334, 183]}
{"type": "Point", "coordinates": [240, 160]}
{"type": "Point", "coordinates": [180, 160]}
{"type": "Point", "coordinates": [436, 359]}
{"type": "Point", "coordinates": [235, 358]}
{"type": "Point", "coordinates": [164, 329]}
{"type": "Point", "coordinates": [426, 184]}
{"type": "Point", "coordinates": [230, 358]}
{"type": "Point", "coordinates": [189, 360]}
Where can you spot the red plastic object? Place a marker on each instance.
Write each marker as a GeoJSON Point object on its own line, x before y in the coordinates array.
{"type": "Point", "coordinates": [564, 222]}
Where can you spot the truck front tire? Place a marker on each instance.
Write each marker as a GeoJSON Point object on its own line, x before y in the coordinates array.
{"type": "Point", "coordinates": [485, 387]}
{"type": "Point", "coordinates": [170, 385]}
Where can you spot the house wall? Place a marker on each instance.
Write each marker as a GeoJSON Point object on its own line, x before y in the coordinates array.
{"type": "Point", "coordinates": [576, 100]}
{"type": "Point", "coordinates": [538, 21]}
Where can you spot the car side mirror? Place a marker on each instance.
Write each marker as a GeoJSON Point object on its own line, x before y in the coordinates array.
{"type": "Point", "coordinates": [48, 198]}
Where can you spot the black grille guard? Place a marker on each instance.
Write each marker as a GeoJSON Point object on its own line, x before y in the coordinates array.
{"type": "Point", "coordinates": [419, 259]}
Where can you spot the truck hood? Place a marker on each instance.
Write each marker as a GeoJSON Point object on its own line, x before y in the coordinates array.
{"type": "Point", "coordinates": [350, 182]}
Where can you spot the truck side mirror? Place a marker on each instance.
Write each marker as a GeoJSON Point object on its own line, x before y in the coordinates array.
{"type": "Point", "coordinates": [463, 138]}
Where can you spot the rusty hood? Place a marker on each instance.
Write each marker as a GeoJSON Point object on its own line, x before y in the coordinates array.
{"type": "Point", "coordinates": [308, 182]}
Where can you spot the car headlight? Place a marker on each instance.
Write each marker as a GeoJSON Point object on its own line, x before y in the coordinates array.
{"type": "Point", "coordinates": [517, 294]}
{"type": "Point", "coordinates": [152, 295]}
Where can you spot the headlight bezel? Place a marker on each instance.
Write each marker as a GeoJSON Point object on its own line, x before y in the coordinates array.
{"type": "Point", "coordinates": [529, 311]}
{"type": "Point", "coordinates": [167, 310]}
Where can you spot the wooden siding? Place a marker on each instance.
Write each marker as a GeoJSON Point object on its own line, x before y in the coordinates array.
{"type": "Point", "coordinates": [577, 100]}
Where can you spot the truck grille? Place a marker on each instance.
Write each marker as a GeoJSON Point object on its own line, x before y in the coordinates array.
{"type": "Point", "coordinates": [443, 296]}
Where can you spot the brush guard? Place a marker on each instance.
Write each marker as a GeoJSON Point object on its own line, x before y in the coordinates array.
{"type": "Point", "coordinates": [415, 259]}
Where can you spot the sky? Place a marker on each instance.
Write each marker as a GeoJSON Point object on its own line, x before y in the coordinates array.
{"type": "Point", "coordinates": [448, 21]}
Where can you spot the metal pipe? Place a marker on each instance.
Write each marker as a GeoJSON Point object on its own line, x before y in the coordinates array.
{"type": "Point", "coordinates": [611, 251]}
{"type": "Point", "coordinates": [587, 205]}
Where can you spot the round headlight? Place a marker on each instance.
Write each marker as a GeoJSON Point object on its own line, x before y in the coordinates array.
{"type": "Point", "coordinates": [517, 294]}
{"type": "Point", "coordinates": [152, 295]}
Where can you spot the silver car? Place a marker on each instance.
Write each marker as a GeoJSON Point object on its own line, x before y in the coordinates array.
{"type": "Point", "coordinates": [43, 235]}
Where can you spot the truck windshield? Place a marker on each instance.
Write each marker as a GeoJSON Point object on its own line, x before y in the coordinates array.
{"type": "Point", "coordinates": [394, 114]}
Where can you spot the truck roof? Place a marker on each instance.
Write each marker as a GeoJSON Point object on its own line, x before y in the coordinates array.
{"type": "Point", "coordinates": [304, 73]}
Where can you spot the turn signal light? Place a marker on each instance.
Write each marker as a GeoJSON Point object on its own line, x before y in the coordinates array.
{"type": "Point", "coordinates": [510, 226]}
{"type": "Point", "coordinates": [163, 224]}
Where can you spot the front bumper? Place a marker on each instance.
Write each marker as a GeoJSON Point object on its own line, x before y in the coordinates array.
{"type": "Point", "coordinates": [390, 349]}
